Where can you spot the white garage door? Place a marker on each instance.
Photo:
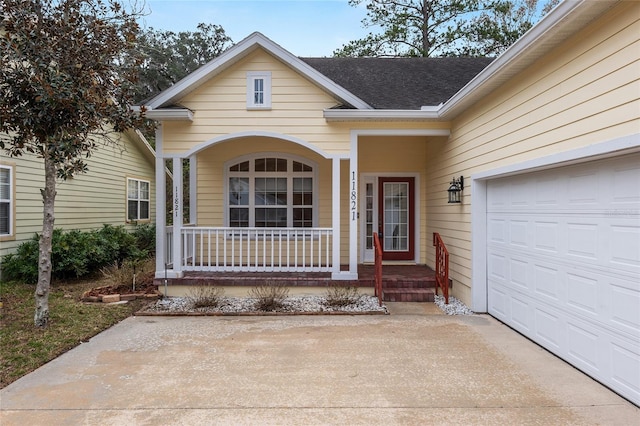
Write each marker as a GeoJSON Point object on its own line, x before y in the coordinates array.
{"type": "Point", "coordinates": [563, 264]}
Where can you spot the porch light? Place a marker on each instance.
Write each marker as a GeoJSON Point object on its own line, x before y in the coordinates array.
{"type": "Point", "coordinates": [455, 189]}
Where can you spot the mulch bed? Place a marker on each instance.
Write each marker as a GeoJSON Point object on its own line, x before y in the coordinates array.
{"type": "Point", "coordinates": [145, 289]}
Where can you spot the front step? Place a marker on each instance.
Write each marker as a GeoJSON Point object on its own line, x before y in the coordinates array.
{"type": "Point", "coordinates": [408, 294]}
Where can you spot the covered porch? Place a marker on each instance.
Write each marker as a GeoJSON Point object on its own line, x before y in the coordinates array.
{"type": "Point", "coordinates": [339, 191]}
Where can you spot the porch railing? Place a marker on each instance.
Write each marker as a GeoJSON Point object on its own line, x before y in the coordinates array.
{"type": "Point", "coordinates": [377, 267]}
{"type": "Point", "coordinates": [442, 266]}
{"type": "Point", "coordinates": [256, 249]}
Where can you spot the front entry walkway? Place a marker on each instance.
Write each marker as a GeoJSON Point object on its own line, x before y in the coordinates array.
{"type": "Point", "coordinates": [356, 370]}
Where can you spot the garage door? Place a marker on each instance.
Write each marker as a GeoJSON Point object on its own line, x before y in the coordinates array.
{"type": "Point", "coordinates": [563, 264]}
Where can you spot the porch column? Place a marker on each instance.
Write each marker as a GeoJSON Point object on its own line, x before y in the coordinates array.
{"type": "Point", "coordinates": [177, 217]}
{"type": "Point", "coordinates": [335, 217]}
{"type": "Point", "coordinates": [353, 206]}
{"type": "Point", "coordinates": [161, 213]}
{"type": "Point", "coordinates": [193, 190]}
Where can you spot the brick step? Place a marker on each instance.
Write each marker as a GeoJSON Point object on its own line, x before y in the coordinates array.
{"type": "Point", "coordinates": [388, 282]}
{"type": "Point", "coordinates": [408, 294]}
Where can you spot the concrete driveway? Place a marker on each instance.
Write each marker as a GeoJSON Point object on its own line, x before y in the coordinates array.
{"type": "Point", "coordinates": [414, 366]}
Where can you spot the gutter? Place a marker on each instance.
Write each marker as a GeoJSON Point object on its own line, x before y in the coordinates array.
{"type": "Point", "coordinates": [425, 113]}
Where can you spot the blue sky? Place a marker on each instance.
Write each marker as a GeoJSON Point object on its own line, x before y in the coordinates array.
{"type": "Point", "coordinates": [303, 27]}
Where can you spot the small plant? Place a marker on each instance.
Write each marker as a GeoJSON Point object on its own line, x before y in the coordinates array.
{"type": "Point", "coordinates": [269, 296]}
{"type": "Point", "coordinates": [206, 296]}
{"type": "Point", "coordinates": [339, 295]}
{"type": "Point", "coordinates": [127, 272]}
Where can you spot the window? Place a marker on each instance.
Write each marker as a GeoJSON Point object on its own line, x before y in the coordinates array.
{"type": "Point", "coordinates": [270, 192]}
{"type": "Point", "coordinates": [137, 199]}
{"type": "Point", "coordinates": [258, 90]}
{"type": "Point", "coordinates": [6, 201]}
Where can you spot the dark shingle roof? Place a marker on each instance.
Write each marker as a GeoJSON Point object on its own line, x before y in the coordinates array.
{"type": "Point", "coordinates": [400, 83]}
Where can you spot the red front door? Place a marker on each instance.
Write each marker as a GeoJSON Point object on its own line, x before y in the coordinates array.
{"type": "Point", "coordinates": [395, 217]}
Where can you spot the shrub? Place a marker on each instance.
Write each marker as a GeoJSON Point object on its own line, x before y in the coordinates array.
{"type": "Point", "coordinates": [269, 296]}
{"type": "Point", "coordinates": [75, 253]}
{"type": "Point", "coordinates": [339, 295]}
{"type": "Point", "coordinates": [145, 236]}
{"type": "Point", "coordinates": [206, 296]}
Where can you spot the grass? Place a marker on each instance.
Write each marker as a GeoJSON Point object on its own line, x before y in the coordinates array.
{"type": "Point", "coordinates": [24, 347]}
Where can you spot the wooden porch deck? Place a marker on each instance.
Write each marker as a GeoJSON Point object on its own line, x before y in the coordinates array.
{"type": "Point", "coordinates": [410, 283]}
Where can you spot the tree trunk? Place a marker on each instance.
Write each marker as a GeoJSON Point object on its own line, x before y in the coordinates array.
{"type": "Point", "coordinates": [41, 318]}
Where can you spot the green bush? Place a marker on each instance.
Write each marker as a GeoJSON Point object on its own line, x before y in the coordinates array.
{"type": "Point", "coordinates": [77, 253]}
{"type": "Point", "coordinates": [145, 236]}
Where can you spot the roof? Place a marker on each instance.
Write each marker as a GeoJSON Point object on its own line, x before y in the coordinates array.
{"type": "Point", "coordinates": [386, 88]}
{"type": "Point", "coordinates": [400, 83]}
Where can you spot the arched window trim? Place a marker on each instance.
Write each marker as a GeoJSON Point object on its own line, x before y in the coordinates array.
{"type": "Point", "coordinates": [289, 174]}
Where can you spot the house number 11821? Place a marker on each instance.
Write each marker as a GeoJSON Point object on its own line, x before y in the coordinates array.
{"type": "Point", "coordinates": [354, 196]}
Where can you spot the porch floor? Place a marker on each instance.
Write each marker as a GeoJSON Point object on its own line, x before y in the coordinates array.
{"type": "Point", "coordinates": [400, 283]}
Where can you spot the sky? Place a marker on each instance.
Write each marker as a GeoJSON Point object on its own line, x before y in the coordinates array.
{"type": "Point", "coordinates": [307, 28]}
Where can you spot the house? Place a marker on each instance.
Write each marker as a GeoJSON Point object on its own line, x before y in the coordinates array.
{"type": "Point", "coordinates": [296, 162]}
{"type": "Point", "coordinates": [118, 189]}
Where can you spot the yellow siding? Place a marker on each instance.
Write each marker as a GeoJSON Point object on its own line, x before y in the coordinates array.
{"type": "Point", "coordinates": [583, 92]}
{"type": "Point", "coordinates": [220, 108]}
{"type": "Point", "coordinates": [84, 202]}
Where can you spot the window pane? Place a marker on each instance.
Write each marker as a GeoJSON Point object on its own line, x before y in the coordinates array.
{"type": "Point", "coordinates": [132, 210]}
{"type": "Point", "coordinates": [301, 167]}
{"type": "Point", "coordinates": [144, 210]}
{"type": "Point", "coordinates": [132, 189]}
{"type": "Point", "coordinates": [302, 218]}
{"type": "Point", "coordinates": [144, 190]}
{"type": "Point", "coordinates": [260, 164]}
{"type": "Point", "coordinates": [271, 217]}
{"type": "Point", "coordinates": [270, 191]}
{"type": "Point", "coordinates": [258, 91]}
{"type": "Point", "coordinates": [302, 191]}
{"type": "Point", "coordinates": [238, 191]}
{"type": "Point", "coordinates": [239, 218]}
{"type": "Point", "coordinates": [5, 184]}
{"type": "Point", "coordinates": [4, 218]}
{"type": "Point", "coordinates": [240, 167]}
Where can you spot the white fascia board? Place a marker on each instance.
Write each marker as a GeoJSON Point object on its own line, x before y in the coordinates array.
{"type": "Point", "coordinates": [169, 114]}
{"type": "Point", "coordinates": [238, 51]}
{"type": "Point", "coordinates": [380, 115]}
{"type": "Point", "coordinates": [548, 28]}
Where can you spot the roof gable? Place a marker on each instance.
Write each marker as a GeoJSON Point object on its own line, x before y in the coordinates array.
{"type": "Point", "coordinates": [227, 59]}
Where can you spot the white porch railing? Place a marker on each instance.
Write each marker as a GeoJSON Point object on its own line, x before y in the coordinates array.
{"type": "Point", "coordinates": [256, 249]}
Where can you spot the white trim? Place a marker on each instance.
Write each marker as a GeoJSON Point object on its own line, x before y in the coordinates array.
{"type": "Point", "coordinates": [289, 174]}
{"type": "Point", "coordinates": [193, 189]}
{"type": "Point", "coordinates": [353, 223]}
{"type": "Point", "coordinates": [612, 148]}
{"type": "Point", "coordinates": [138, 199]}
{"type": "Point", "coordinates": [161, 221]}
{"type": "Point", "coordinates": [336, 115]}
{"type": "Point", "coordinates": [254, 133]}
{"type": "Point", "coordinates": [169, 114]}
{"type": "Point", "coordinates": [335, 213]}
{"type": "Point", "coordinates": [400, 132]}
{"type": "Point", "coordinates": [177, 216]}
{"type": "Point", "coordinates": [11, 201]}
{"type": "Point", "coordinates": [239, 51]}
{"type": "Point", "coordinates": [265, 76]}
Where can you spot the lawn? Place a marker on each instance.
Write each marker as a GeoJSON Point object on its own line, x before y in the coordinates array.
{"type": "Point", "coordinates": [23, 347]}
